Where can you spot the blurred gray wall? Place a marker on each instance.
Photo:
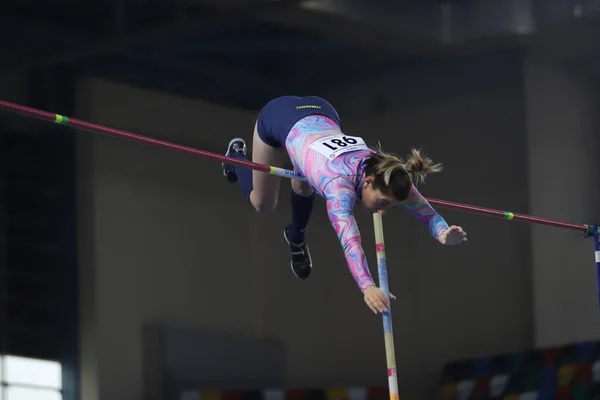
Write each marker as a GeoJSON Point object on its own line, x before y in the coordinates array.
{"type": "Point", "coordinates": [563, 146]}
{"type": "Point", "coordinates": [171, 253]}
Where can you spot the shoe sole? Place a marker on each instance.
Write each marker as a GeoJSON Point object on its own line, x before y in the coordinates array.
{"type": "Point", "coordinates": [291, 262]}
{"type": "Point", "coordinates": [227, 153]}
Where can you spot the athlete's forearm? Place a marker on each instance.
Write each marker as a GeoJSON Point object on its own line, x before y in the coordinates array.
{"type": "Point", "coordinates": [339, 209]}
{"type": "Point", "coordinates": [347, 230]}
{"type": "Point", "coordinates": [420, 208]}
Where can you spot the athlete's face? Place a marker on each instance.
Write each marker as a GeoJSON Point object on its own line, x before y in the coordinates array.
{"type": "Point", "coordinates": [375, 200]}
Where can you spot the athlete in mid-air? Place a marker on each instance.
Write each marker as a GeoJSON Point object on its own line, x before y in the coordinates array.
{"type": "Point", "coordinates": [341, 169]}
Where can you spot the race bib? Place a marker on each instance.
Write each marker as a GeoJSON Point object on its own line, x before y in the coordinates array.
{"type": "Point", "coordinates": [333, 146]}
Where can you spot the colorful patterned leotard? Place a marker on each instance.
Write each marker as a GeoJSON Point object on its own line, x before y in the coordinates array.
{"type": "Point", "coordinates": [339, 181]}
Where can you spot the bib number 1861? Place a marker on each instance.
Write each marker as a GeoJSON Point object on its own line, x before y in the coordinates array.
{"type": "Point", "coordinates": [333, 146]}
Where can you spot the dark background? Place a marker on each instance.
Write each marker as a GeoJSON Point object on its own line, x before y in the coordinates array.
{"type": "Point", "coordinates": [236, 55]}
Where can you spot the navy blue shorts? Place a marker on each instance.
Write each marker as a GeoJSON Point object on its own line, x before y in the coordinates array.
{"type": "Point", "coordinates": [278, 116]}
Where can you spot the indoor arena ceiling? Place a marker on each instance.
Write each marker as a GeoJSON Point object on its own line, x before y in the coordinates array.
{"type": "Point", "coordinates": [243, 52]}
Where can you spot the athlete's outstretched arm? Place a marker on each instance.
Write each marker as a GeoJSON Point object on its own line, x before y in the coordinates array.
{"type": "Point", "coordinates": [420, 208]}
{"type": "Point", "coordinates": [340, 198]}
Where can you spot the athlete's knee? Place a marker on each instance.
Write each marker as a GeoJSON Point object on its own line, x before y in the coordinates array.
{"type": "Point", "coordinates": [262, 204]}
{"type": "Point", "coordinates": [265, 206]}
{"type": "Point", "coordinates": [301, 188]}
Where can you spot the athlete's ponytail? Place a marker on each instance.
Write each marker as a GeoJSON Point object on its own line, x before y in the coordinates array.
{"type": "Point", "coordinates": [395, 176]}
{"type": "Point", "coordinates": [419, 166]}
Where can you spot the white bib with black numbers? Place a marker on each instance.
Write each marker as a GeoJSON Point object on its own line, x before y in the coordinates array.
{"type": "Point", "coordinates": [333, 146]}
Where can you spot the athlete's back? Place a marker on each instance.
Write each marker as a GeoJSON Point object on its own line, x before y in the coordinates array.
{"type": "Point", "coordinates": [321, 152]}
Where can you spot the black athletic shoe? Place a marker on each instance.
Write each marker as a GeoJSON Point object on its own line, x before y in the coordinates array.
{"type": "Point", "coordinates": [301, 260]}
{"type": "Point", "coordinates": [236, 146]}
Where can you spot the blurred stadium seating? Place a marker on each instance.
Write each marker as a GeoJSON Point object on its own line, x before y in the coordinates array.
{"type": "Point", "coordinates": [564, 372]}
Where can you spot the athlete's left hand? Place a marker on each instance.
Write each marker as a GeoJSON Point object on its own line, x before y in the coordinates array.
{"type": "Point", "coordinates": [376, 300]}
{"type": "Point", "coordinates": [453, 235]}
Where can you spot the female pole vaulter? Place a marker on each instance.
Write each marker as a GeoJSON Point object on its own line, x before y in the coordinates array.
{"type": "Point", "coordinates": [341, 169]}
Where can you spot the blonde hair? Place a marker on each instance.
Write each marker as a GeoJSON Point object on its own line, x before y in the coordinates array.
{"type": "Point", "coordinates": [395, 174]}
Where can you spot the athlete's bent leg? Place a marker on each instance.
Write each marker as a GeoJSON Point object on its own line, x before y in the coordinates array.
{"type": "Point", "coordinates": [302, 198]}
{"type": "Point", "coordinates": [260, 188]}
{"type": "Point", "coordinates": [265, 194]}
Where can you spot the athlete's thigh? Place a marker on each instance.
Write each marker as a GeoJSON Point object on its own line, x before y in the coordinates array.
{"type": "Point", "coordinates": [266, 186]}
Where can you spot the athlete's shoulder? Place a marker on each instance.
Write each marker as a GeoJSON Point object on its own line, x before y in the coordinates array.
{"type": "Point", "coordinates": [341, 191]}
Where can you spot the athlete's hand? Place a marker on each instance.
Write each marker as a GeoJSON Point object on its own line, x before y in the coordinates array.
{"type": "Point", "coordinates": [453, 235]}
{"type": "Point", "coordinates": [376, 300]}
